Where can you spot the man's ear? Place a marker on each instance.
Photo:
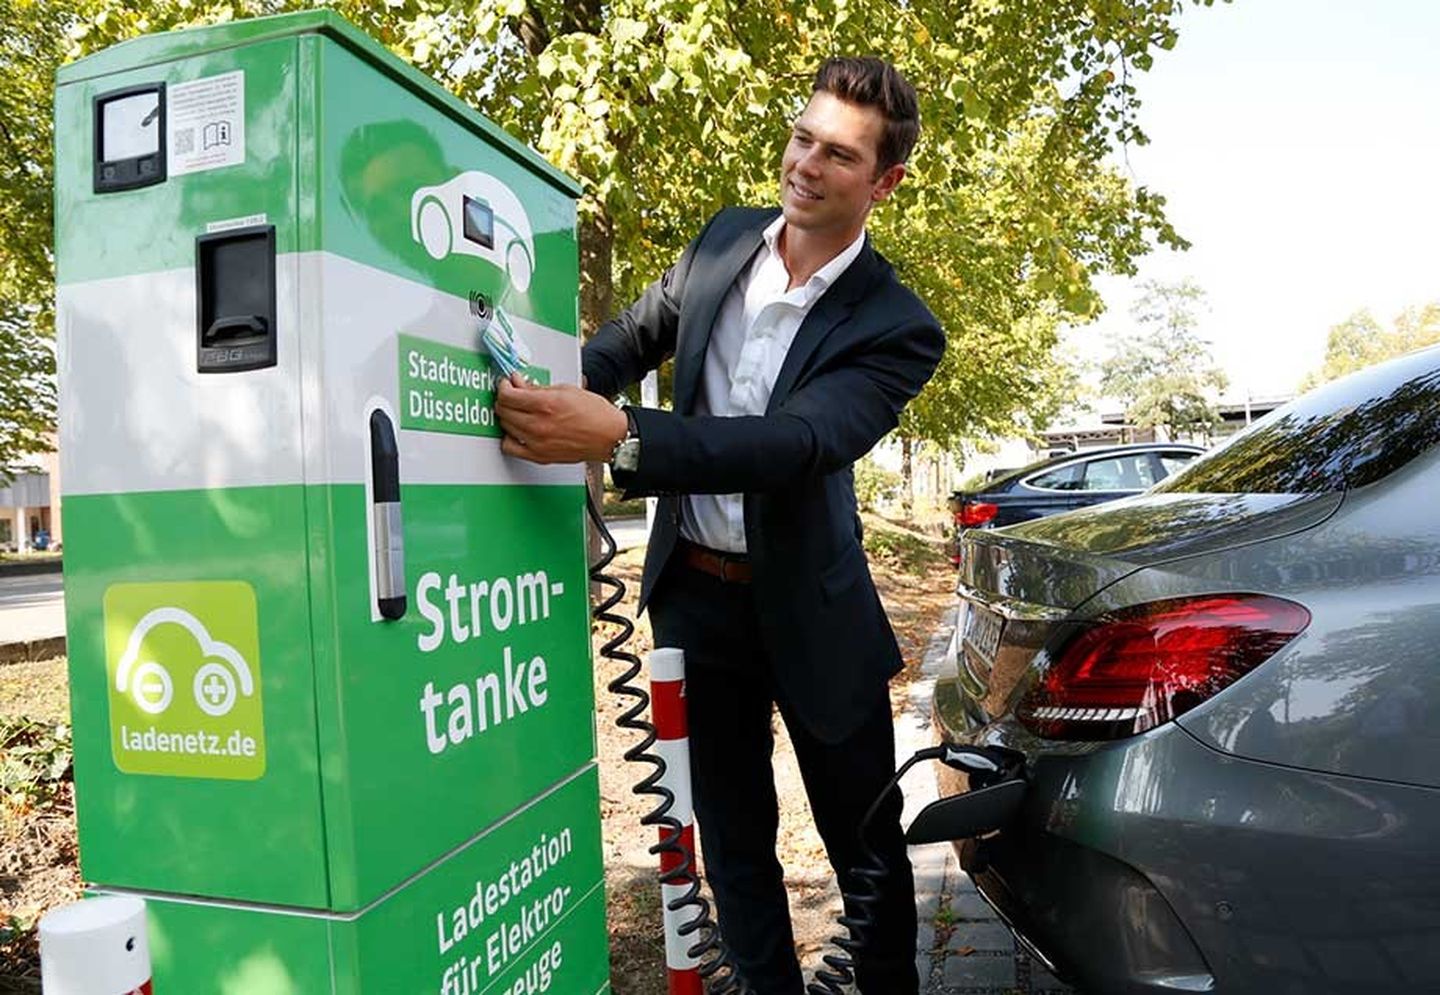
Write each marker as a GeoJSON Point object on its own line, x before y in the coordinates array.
{"type": "Point", "coordinates": [888, 181]}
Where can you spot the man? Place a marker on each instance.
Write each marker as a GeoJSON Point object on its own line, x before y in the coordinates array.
{"type": "Point", "coordinates": [795, 350]}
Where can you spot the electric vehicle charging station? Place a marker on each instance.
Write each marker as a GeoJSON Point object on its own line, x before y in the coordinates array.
{"type": "Point", "coordinates": [329, 649]}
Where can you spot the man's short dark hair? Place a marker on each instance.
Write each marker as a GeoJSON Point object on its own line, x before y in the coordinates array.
{"type": "Point", "coordinates": [873, 82]}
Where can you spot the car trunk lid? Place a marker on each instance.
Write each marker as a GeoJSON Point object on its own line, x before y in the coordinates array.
{"type": "Point", "coordinates": [1021, 586]}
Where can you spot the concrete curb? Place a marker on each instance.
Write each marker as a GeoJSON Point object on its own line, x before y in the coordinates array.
{"type": "Point", "coordinates": [912, 733]}
{"type": "Point", "coordinates": [30, 650]}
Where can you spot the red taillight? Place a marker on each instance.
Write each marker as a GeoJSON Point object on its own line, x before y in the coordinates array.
{"type": "Point", "coordinates": [1143, 666]}
{"type": "Point", "coordinates": [973, 513]}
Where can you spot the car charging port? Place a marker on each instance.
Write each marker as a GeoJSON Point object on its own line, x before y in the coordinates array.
{"type": "Point", "coordinates": [998, 787]}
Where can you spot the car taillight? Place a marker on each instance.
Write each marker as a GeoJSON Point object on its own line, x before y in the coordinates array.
{"type": "Point", "coordinates": [1140, 667]}
{"type": "Point", "coordinates": [973, 513]}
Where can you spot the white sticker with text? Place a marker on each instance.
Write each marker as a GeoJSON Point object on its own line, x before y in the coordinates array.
{"type": "Point", "coordinates": [206, 121]}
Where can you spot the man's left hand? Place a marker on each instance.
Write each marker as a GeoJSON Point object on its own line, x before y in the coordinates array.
{"type": "Point", "coordinates": [558, 424]}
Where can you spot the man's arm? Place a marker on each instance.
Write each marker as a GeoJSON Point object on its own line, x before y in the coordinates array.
{"type": "Point", "coordinates": [642, 336]}
{"type": "Point", "coordinates": [830, 422]}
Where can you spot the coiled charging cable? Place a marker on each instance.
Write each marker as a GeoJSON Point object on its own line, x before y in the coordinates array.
{"type": "Point", "coordinates": [716, 968]}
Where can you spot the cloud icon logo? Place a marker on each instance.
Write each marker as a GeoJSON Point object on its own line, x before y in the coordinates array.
{"type": "Point", "coordinates": [218, 683]}
{"type": "Point", "coordinates": [182, 666]}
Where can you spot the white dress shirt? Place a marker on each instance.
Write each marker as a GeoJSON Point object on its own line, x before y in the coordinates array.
{"type": "Point", "coordinates": [753, 330]}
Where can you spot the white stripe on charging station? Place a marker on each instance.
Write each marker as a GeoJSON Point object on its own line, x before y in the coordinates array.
{"type": "Point", "coordinates": [142, 418]}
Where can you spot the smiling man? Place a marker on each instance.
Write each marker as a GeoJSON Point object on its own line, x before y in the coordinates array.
{"type": "Point", "coordinates": [795, 347]}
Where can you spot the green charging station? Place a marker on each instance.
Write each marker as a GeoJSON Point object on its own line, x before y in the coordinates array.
{"type": "Point", "coordinates": [329, 648]}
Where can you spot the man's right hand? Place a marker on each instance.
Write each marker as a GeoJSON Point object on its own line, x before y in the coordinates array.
{"type": "Point", "coordinates": [557, 424]}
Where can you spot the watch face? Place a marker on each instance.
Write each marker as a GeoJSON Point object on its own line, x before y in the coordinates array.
{"type": "Point", "coordinates": [627, 456]}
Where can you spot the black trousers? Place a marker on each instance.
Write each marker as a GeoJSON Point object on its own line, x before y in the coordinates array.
{"type": "Point", "coordinates": [731, 695]}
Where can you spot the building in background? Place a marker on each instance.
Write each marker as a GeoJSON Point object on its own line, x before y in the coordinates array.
{"type": "Point", "coordinates": [30, 506]}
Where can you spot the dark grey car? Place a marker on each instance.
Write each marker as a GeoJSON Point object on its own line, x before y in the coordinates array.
{"type": "Point", "coordinates": [1208, 717]}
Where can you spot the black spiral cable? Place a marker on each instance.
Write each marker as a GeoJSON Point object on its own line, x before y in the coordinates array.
{"type": "Point", "coordinates": [716, 968]}
{"type": "Point", "coordinates": [839, 969]}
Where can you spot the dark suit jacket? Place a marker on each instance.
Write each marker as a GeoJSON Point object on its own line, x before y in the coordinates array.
{"type": "Point", "coordinates": [863, 351]}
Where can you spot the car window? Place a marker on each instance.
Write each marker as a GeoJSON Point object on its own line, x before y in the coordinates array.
{"type": "Point", "coordinates": [1119, 473]}
{"type": "Point", "coordinates": [1171, 462]}
{"type": "Point", "coordinates": [1064, 478]}
{"type": "Point", "coordinates": [1348, 433]}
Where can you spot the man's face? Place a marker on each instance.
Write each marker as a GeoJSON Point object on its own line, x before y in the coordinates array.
{"type": "Point", "coordinates": [828, 175]}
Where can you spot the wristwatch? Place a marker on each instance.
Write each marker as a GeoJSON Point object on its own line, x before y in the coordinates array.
{"type": "Point", "coordinates": [626, 454]}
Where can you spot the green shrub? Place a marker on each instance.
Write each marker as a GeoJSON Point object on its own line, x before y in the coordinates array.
{"type": "Point", "coordinates": [875, 486]}
{"type": "Point", "coordinates": [35, 760]}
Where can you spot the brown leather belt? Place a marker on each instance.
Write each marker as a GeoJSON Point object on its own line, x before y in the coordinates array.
{"type": "Point", "coordinates": [733, 568]}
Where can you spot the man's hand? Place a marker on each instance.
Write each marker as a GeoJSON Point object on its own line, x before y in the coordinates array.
{"type": "Point", "coordinates": [559, 424]}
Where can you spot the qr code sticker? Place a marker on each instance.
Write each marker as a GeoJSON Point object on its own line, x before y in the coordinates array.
{"type": "Point", "coordinates": [185, 141]}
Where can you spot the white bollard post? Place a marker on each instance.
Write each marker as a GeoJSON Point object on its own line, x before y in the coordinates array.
{"type": "Point", "coordinates": [97, 946]}
{"type": "Point", "coordinates": [672, 744]}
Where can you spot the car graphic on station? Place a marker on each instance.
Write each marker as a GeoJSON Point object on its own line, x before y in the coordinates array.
{"type": "Point", "coordinates": [223, 675]}
{"type": "Point", "coordinates": [475, 214]}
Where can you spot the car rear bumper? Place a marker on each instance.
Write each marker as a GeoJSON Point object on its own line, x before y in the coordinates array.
{"type": "Point", "coordinates": [1065, 902]}
{"type": "Point", "coordinates": [1158, 865]}
{"type": "Point", "coordinates": [1087, 916]}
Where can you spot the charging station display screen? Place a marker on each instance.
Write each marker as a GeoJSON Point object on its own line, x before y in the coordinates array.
{"type": "Point", "coordinates": [130, 127]}
{"type": "Point", "coordinates": [479, 223]}
{"type": "Point", "coordinates": [129, 149]}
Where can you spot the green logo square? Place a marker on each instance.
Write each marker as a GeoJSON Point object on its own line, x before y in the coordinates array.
{"type": "Point", "coordinates": [183, 661]}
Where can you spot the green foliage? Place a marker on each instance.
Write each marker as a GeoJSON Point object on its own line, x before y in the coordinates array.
{"type": "Point", "coordinates": [1163, 371]}
{"type": "Point", "coordinates": [614, 507]}
{"type": "Point", "coordinates": [32, 34]}
{"type": "Point", "coordinates": [1359, 341]}
{"type": "Point", "coordinates": [35, 762]}
{"type": "Point", "coordinates": [666, 110]}
{"type": "Point", "coordinates": [874, 485]}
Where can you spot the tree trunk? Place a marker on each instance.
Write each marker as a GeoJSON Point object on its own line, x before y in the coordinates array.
{"type": "Point", "coordinates": [907, 477]}
{"type": "Point", "coordinates": [597, 291]}
{"type": "Point", "coordinates": [597, 300]}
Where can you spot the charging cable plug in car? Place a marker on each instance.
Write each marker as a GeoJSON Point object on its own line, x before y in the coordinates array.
{"type": "Point", "coordinates": [998, 786]}
{"type": "Point", "coordinates": [978, 760]}
{"type": "Point", "coordinates": [969, 759]}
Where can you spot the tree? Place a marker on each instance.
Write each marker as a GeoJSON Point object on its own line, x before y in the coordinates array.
{"type": "Point", "coordinates": [32, 33]}
{"type": "Point", "coordinates": [1163, 371]}
{"type": "Point", "coordinates": [667, 109]}
{"type": "Point", "coordinates": [1359, 341]}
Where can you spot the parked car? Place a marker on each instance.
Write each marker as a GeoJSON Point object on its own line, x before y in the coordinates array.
{"type": "Point", "coordinates": [1194, 731]}
{"type": "Point", "coordinates": [1061, 483]}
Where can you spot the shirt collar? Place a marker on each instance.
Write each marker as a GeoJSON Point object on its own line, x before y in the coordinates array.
{"type": "Point", "coordinates": [825, 275]}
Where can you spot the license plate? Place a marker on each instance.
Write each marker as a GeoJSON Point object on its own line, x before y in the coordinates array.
{"type": "Point", "coordinates": [982, 633]}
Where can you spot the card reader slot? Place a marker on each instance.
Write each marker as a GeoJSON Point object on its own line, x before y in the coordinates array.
{"type": "Point", "coordinates": [235, 300]}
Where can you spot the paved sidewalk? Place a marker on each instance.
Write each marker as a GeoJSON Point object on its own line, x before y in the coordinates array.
{"type": "Point", "coordinates": [964, 948]}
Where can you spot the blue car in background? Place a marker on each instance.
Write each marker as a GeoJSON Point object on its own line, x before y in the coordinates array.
{"type": "Point", "coordinates": [1063, 483]}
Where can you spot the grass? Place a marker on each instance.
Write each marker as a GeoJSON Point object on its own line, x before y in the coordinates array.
{"type": "Point", "coordinates": [37, 690]}
{"type": "Point", "coordinates": [902, 547]}
{"type": "Point", "coordinates": [615, 508]}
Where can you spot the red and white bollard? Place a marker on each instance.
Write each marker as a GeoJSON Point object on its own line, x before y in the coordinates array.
{"type": "Point", "coordinates": [97, 946]}
{"type": "Point", "coordinates": [667, 707]}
